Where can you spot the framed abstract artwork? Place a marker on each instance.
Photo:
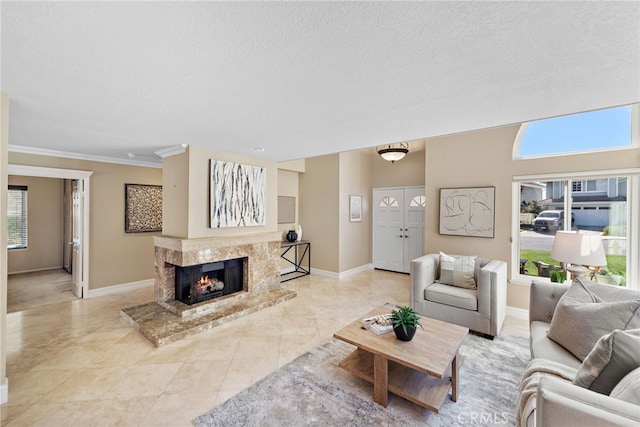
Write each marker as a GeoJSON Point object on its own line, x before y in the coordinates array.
{"type": "Point", "coordinates": [467, 211]}
{"type": "Point", "coordinates": [142, 208]}
{"type": "Point", "coordinates": [238, 194]}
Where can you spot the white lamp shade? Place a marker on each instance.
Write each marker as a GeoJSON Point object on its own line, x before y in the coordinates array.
{"type": "Point", "coordinates": [579, 247]}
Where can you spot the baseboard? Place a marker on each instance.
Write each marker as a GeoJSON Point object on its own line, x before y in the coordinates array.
{"type": "Point", "coordinates": [342, 274]}
{"type": "Point", "coordinates": [325, 273]}
{"type": "Point", "coordinates": [116, 289]}
{"type": "Point", "coordinates": [4, 391]}
{"type": "Point", "coordinates": [518, 313]}
{"type": "Point", "coordinates": [35, 270]}
{"type": "Point", "coordinates": [351, 272]}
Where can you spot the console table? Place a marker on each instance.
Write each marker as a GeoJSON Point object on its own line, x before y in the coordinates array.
{"type": "Point", "coordinates": [301, 252]}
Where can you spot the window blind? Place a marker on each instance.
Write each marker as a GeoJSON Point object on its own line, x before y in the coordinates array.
{"type": "Point", "coordinates": [17, 217]}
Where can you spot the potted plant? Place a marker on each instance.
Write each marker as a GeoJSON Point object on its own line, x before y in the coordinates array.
{"type": "Point", "coordinates": [606, 277]}
{"type": "Point", "coordinates": [557, 275]}
{"type": "Point", "coordinates": [405, 322]}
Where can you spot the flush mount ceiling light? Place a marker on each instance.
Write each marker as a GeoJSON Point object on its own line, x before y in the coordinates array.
{"type": "Point", "coordinates": [393, 152]}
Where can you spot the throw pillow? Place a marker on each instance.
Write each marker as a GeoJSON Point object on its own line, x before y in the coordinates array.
{"type": "Point", "coordinates": [581, 318]}
{"type": "Point", "coordinates": [457, 270]}
{"type": "Point", "coordinates": [614, 356]}
{"type": "Point", "coordinates": [629, 388]}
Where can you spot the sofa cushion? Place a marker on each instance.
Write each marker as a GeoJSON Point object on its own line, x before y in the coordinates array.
{"type": "Point", "coordinates": [544, 348]}
{"type": "Point", "coordinates": [628, 389]}
{"type": "Point", "coordinates": [453, 296]}
{"type": "Point", "coordinates": [582, 317]}
{"type": "Point", "coordinates": [457, 270]}
{"type": "Point", "coordinates": [614, 356]}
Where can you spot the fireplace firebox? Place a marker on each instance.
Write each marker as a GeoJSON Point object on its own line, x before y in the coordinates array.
{"type": "Point", "coordinates": [202, 282]}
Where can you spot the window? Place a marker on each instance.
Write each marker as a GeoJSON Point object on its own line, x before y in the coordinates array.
{"type": "Point", "coordinates": [417, 201]}
{"type": "Point", "coordinates": [388, 202]}
{"type": "Point", "coordinates": [543, 207]}
{"type": "Point", "coordinates": [17, 217]}
{"type": "Point", "coordinates": [591, 131]}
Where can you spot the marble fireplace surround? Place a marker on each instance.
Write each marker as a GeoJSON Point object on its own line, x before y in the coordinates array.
{"type": "Point", "coordinates": [167, 319]}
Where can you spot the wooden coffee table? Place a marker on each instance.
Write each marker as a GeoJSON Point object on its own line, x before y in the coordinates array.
{"type": "Point", "coordinates": [421, 370]}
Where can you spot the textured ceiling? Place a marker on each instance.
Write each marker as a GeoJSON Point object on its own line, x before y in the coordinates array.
{"type": "Point", "coordinates": [303, 79]}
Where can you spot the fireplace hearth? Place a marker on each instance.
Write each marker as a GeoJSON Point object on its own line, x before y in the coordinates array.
{"type": "Point", "coordinates": [168, 319]}
{"type": "Point", "coordinates": [202, 282]}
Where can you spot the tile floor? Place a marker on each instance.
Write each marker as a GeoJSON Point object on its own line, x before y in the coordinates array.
{"type": "Point", "coordinates": [76, 363]}
{"type": "Point", "coordinates": [29, 290]}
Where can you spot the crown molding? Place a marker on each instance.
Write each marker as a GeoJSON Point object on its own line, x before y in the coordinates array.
{"type": "Point", "coordinates": [46, 172]}
{"type": "Point", "coordinates": [79, 156]}
{"type": "Point", "coordinates": [172, 151]}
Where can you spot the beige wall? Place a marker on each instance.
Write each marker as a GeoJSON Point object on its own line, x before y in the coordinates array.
{"type": "Point", "coordinates": [319, 206]}
{"type": "Point", "coordinates": [115, 257]}
{"type": "Point", "coordinates": [288, 186]}
{"type": "Point", "coordinates": [484, 158]}
{"type": "Point", "coordinates": [197, 219]}
{"type": "Point", "coordinates": [338, 244]}
{"type": "Point", "coordinates": [4, 142]}
{"type": "Point", "coordinates": [45, 226]}
{"type": "Point", "coordinates": [355, 237]}
{"type": "Point", "coordinates": [408, 172]}
{"type": "Point", "coordinates": [175, 195]}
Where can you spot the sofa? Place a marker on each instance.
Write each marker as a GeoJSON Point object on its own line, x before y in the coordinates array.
{"type": "Point", "coordinates": [481, 306]}
{"type": "Point", "coordinates": [552, 390]}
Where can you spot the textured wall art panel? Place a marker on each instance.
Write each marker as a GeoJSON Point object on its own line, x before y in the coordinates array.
{"type": "Point", "coordinates": [467, 211]}
{"type": "Point", "coordinates": [143, 208]}
{"type": "Point", "coordinates": [238, 194]}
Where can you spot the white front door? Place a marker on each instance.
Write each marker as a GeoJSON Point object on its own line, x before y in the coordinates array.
{"type": "Point", "coordinates": [76, 262]}
{"type": "Point", "coordinates": [414, 203]}
{"type": "Point", "coordinates": [388, 229]}
{"type": "Point", "coordinates": [398, 227]}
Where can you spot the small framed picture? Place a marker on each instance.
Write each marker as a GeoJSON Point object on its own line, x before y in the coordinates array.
{"type": "Point", "coordinates": [355, 208]}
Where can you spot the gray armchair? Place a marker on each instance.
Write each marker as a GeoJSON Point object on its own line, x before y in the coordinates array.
{"type": "Point", "coordinates": [481, 310]}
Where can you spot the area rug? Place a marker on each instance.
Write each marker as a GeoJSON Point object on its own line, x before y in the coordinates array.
{"type": "Point", "coordinates": [312, 390]}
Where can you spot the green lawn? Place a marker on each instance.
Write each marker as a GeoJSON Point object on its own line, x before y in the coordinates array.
{"type": "Point", "coordinates": [616, 264]}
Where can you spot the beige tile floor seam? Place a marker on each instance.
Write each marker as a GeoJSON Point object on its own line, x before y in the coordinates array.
{"type": "Point", "coordinates": [77, 363]}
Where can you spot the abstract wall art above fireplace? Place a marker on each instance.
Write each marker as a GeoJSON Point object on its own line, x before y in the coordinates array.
{"type": "Point", "coordinates": [238, 194]}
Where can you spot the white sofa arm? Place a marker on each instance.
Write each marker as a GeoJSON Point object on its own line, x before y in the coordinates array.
{"type": "Point", "coordinates": [423, 273]}
{"type": "Point", "coordinates": [560, 403]}
{"type": "Point", "coordinates": [492, 293]}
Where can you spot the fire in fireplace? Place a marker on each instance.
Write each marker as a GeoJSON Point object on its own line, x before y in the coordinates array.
{"type": "Point", "coordinates": [197, 283]}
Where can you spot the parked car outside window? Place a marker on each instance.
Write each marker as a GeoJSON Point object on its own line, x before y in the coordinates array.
{"type": "Point", "coordinates": [552, 220]}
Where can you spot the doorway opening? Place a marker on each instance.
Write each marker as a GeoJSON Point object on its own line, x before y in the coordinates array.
{"type": "Point", "coordinates": [79, 211]}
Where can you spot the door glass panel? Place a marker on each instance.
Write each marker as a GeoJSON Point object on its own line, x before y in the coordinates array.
{"type": "Point", "coordinates": [388, 202]}
{"type": "Point", "coordinates": [417, 201]}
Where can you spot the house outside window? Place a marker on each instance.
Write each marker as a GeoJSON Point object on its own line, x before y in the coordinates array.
{"type": "Point", "coordinates": [17, 204]}
{"type": "Point", "coordinates": [604, 201]}
{"type": "Point", "coordinates": [543, 211]}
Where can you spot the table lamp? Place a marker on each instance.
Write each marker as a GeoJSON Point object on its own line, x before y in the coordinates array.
{"type": "Point", "coordinates": [577, 248]}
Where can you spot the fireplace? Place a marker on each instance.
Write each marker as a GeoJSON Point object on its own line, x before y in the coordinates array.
{"type": "Point", "coordinates": [202, 282]}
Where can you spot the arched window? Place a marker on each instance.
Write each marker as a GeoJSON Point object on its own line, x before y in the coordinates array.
{"type": "Point", "coordinates": [388, 202]}
{"type": "Point", "coordinates": [591, 131]}
{"type": "Point", "coordinates": [417, 201]}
